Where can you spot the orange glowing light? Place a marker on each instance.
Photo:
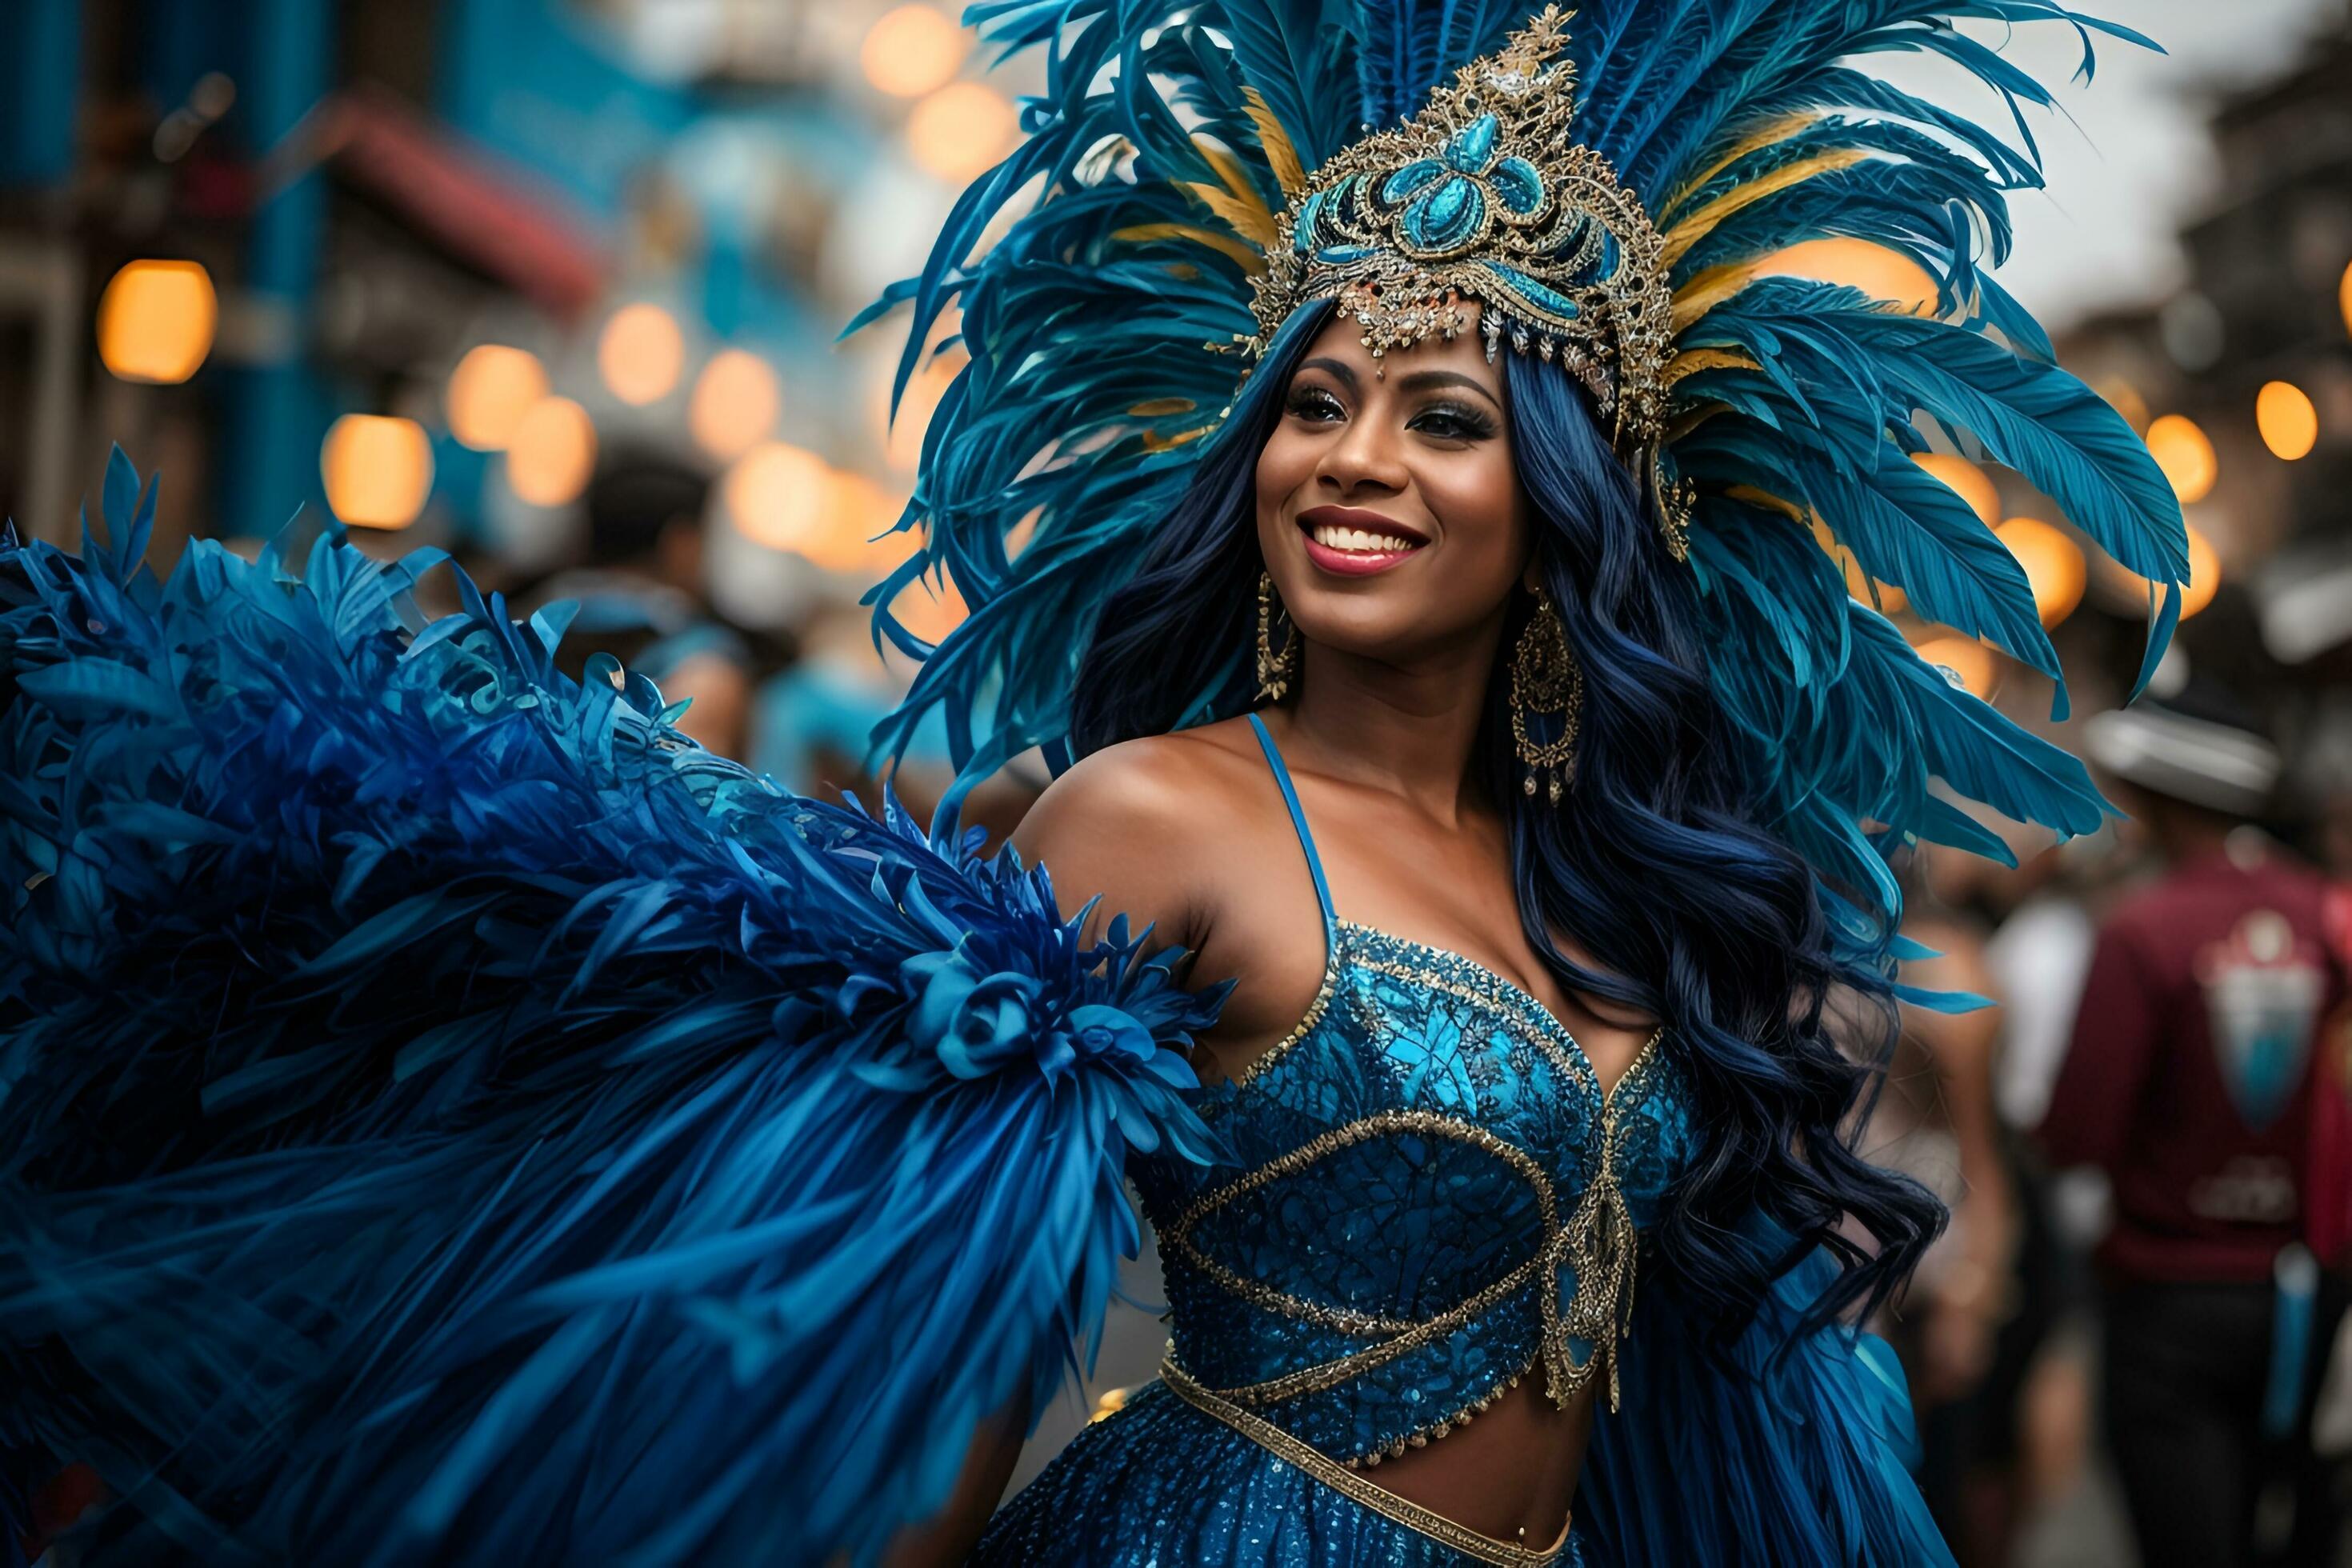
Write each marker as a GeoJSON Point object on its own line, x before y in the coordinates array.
{"type": "Point", "coordinates": [490, 391]}
{"type": "Point", "coordinates": [640, 354]}
{"type": "Point", "coordinates": [2054, 565]}
{"type": "Point", "coordinates": [913, 51]}
{"type": "Point", "coordinates": [2287, 419]}
{"type": "Point", "coordinates": [2204, 574]}
{"type": "Point", "coordinates": [155, 321]}
{"type": "Point", "coordinates": [904, 436]}
{"type": "Point", "coordinates": [1875, 271]}
{"type": "Point", "coordinates": [553, 453]}
{"type": "Point", "coordinates": [959, 131]}
{"type": "Point", "coordinates": [2185, 453]}
{"type": "Point", "coordinates": [735, 404]}
{"type": "Point", "coordinates": [378, 471]}
{"type": "Point", "coordinates": [1974, 484]}
{"type": "Point", "coordinates": [1971, 662]}
{"type": "Point", "coordinates": [778, 495]}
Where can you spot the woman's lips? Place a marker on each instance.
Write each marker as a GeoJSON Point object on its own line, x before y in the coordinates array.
{"type": "Point", "coordinates": [1346, 543]}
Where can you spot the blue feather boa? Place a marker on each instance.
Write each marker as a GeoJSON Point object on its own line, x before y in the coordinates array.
{"type": "Point", "coordinates": [445, 1114]}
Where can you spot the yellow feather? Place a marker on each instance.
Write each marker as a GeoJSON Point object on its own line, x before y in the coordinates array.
{"type": "Point", "coordinates": [1275, 143]}
{"type": "Point", "coordinates": [1244, 209]}
{"type": "Point", "coordinates": [1708, 289]}
{"type": "Point", "coordinates": [1253, 223]}
{"type": "Point", "coordinates": [1756, 140]}
{"type": "Point", "coordinates": [1771, 502]}
{"type": "Point", "coordinates": [1702, 223]}
{"type": "Point", "coordinates": [1153, 441]}
{"type": "Point", "coordinates": [1690, 362]}
{"type": "Point", "coordinates": [1155, 407]}
{"type": "Point", "coordinates": [1252, 261]}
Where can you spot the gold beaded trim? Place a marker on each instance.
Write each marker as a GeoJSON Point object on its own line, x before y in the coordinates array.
{"type": "Point", "coordinates": [1315, 1010]}
{"type": "Point", "coordinates": [1313, 1462]}
{"type": "Point", "coordinates": [1422, 1437]}
{"type": "Point", "coordinates": [1412, 1333]}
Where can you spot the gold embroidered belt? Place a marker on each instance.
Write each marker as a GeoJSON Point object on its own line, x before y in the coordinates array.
{"type": "Point", "coordinates": [1354, 1486]}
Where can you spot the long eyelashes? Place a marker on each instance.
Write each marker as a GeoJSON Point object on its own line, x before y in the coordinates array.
{"type": "Point", "coordinates": [1440, 421]}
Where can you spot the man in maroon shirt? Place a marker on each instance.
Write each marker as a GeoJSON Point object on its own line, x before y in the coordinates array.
{"type": "Point", "coordinates": [2189, 1080]}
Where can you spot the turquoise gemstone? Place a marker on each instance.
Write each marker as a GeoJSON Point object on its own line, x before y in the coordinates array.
{"type": "Point", "coordinates": [1410, 180]}
{"type": "Point", "coordinates": [1514, 180]}
{"type": "Point", "coordinates": [1472, 147]}
{"type": "Point", "coordinates": [1446, 218]}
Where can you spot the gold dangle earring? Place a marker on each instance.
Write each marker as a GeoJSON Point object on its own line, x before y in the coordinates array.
{"type": "Point", "coordinates": [1275, 671]}
{"type": "Point", "coordinates": [1545, 679]}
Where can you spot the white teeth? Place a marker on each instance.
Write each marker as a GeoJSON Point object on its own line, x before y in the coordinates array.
{"type": "Point", "coordinates": [1358, 542]}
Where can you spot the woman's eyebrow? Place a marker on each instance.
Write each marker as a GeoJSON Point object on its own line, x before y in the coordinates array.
{"type": "Point", "coordinates": [1428, 380]}
{"type": "Point", "coordinates": [1339, 370]}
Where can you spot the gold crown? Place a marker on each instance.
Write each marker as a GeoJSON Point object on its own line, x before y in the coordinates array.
{"type": "Point", "coordinates": [1483, 196]}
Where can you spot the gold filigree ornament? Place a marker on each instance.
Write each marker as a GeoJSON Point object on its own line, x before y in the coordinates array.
{"type": "Point", "coordinates": [1483, 195]}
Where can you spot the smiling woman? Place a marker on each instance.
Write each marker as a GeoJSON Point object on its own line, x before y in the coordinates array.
{"type": "Point", "coordinates": [462, 1121]}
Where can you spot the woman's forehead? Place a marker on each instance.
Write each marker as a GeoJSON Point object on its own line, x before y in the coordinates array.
{"type": "Point", "coordinates": [1341, 339]}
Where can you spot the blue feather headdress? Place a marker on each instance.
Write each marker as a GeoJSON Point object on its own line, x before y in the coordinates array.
{"type": "Point", "coordinates": [1167, 155]}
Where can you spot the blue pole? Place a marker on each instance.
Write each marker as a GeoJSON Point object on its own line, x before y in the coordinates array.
{"type": "Point", "coordinates": [41, 90]}
{"type": "Point", "coordinates": [280, 411]}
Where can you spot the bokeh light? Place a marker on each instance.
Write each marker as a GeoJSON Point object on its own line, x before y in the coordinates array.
{"type": "Point", "coordinates": [2284, 413]}
{"type": "Point", "coordinates": [1974, 484]}
{"type": "Point", "coordinates": [552, 454]}
{"type": "Point", "coordinates": [490, 391]}
{"type": "Point", "coordinates": [2204, 574]}
{"type": "Point", "coordinates": [961, 130]}
{"type": "Point", "coordinates": [778, 495]}
{"type": "Point", "coordinates": [913, 51]}
{"type": "Point", "coordinates": [1877, 272]}
{"type": "Point", "coordinates": [2125, 400]}
{"type": "Point", "coordinates": [1973, 662]}
{"type": "Point", "coordinates": [930, 608]}
{"type": "Point", "coordinates": [2054, 565]}
{"type": "Point", "coordinates": [2344, 297]}
{"type": "Point", "coordinates": [855, 537]}
{"type": "Point", "coordinates": [735, 405]}
{"type": "Point", "coordinates": [378, 471]}
{"type": "Point", "coordinates": [903, 436]}
{"type": "Point", "coordinates": [155, 321]}
{"type": "Point", "coordinates": [1885, 597]}
{"type": "Point", "coordinates": [2183, 451]}
{"type": "Point", "coordinates": [640, 354]}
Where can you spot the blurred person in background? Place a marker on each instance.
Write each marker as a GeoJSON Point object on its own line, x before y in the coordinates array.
{"type": "Point", "coordinates": [2190, 1081]}
{"type": "Point", "coordinates": [642, 597]}
{"type": "Point", "coordinates": [1973, 1326]}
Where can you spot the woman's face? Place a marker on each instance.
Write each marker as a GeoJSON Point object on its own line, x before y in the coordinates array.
{"type": "Point", "coordinates": [1388, 506]}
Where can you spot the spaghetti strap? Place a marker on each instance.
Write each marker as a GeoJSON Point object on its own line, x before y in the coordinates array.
{"type": "Point", "coordinates": [1298, 820]}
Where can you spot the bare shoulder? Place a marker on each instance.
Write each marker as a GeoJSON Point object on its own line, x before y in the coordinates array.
{"type": "Point", "coordinates": [1145, 824]}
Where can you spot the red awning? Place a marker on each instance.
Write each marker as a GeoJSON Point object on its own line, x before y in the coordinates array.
{"type": "Point", "coordinates": [488, 217]}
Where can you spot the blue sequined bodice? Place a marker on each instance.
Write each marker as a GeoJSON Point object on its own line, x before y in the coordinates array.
{"type": "Point", "coordinates": [1435, 1198]}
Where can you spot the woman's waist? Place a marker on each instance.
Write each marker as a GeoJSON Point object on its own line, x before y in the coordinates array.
{"type": "Point", "coordinates": [1367, 1390]}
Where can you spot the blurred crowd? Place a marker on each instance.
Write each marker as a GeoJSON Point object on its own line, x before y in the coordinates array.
{"type": "Point", "coordinates": [2131, 1342]}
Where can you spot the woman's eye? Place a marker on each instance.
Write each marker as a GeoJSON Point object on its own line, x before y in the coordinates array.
{"type": "Point", "coordinates": [1453, 424]}
{"type": "Point", "coordinates": [1313, 403]}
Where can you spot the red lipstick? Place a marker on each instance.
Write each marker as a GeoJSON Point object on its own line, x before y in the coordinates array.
{"type": "Point", "coordinates": [1357, 544]}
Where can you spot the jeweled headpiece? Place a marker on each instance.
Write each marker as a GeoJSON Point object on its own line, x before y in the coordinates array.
{"type": "Point", "coordinates": [1483, 195]}
{"type": "Point", "coordinates": [1195, 170]}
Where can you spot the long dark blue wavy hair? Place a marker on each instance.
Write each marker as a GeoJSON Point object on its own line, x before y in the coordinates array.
{"type": "Point", "coordinates": [1653, 862]}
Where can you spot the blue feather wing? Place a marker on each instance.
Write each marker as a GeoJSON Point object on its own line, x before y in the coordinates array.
{"type": "Point", "coordinates": [445, 1114]}
{"type": "Point", "coordinates": [1785, 1445]}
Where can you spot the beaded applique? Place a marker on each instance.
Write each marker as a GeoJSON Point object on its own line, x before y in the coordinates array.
{"type": "Point", "coordinates": [1570, 1278]}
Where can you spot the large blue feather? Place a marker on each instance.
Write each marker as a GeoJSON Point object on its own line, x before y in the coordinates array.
{"type": "Point", "coordinates": [445, 1115]}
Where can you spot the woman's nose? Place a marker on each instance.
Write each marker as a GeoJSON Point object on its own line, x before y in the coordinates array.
{"type": "Point", "coordinates": [1367, 456]}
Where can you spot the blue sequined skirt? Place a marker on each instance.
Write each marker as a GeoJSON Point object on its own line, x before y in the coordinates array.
{"type": "Point", "coordinates": [1161, 1485]}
